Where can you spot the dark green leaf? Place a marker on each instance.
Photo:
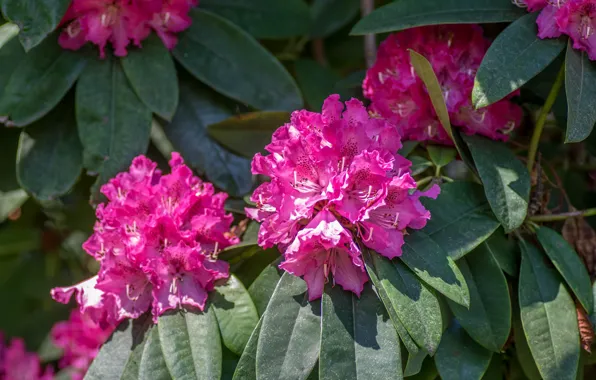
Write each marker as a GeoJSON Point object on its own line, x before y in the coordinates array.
{"type": "Point", "coordinates": [247, 365]}
{"type": "Point", "coordinates": [238, 251]}
{"type": "Point", "coordinates": [191, 344]}
{"type": "Point", "coordinates": [441, 155]}
{"type": "Point", "coordinates": [152, 74]}
{"type": "Point", "coordinates": [580, 86]}
{"type": "Point", "coordinates": [522, 350]}
{"type": "Point", "coordinates": [459, 357]}
{"type": "Point", "coordinates": [504, 250]}
{"type": "Point", "coordinates": [226, 58]}
{"type": "Point", "coordinates": [35, 18]}
{"type": "Point", "coordinates": [331, 15]}
{"type": "Point", "coordinates": [264, 18]}
{"type": "Point", "coordinates": [516, 56]}
{"type": "Point", "coordinates": [153, 365]}
{"type": "Point", "coordinates": [50, 159]}
{"type": "Point", "coordinates": [406, 14]}
{"type": "Point", "coordinates": [358, 340]}
{"type": "Point", "coordinates": [548, 317]}
{"type": "Point", "coordinates": [506, 180]}
{"type": "Point", "coordinates": [427, 372]}
{"type": "Point", "coordinates": [250, 267]}
{"type": "Point", "coordinates": [236, 314]}
{"type": "Point", "coordinates": [495, 370]}
{"type": "Point", "coordinates": [9, 143]}
{"type": "Point", "coordinates": [408, 147]}
{"type": "Point", "coordinates": [419, 164]}
{"type": "Point", "coordinates": [290, 336]}
{"type": "Point", "coordinates": [315, 81]}
{"type": "Point", "coordinates": [569, 265]}
{"type": "Point", "coordinates": [39, 82]}
{"type": "Point", "coordinates": [488, 320]}
{"type": "Point", "coordinates": [15, 240]}
{"type": "Point", "coordinates": [11, 55]}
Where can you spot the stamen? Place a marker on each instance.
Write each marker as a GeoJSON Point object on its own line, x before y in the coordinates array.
{"type": "Point", "coordinates": [174, 286]}
{"type": "Point", "coordinates": [369, 235]}
{"type": "Point", "coordinates": [129, 290]}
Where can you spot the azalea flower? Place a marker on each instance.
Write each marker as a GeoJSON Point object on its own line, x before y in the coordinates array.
{"type": "Point", "coordinates": [18, 364]}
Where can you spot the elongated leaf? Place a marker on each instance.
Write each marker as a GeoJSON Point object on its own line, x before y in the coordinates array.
{"type": "Point", "coordinates": [248, 134]}
{"type": "Point", "coordinates": [516, 56]}
{"type": "Point", "coordinates": [435, 267]}
{"type": "Point", "coordinates": [548, 317]}
{"type": "Point", "coordinates": [290, 336]}
{"type": "Point", "coordinates": [488, 320]}
{"type": "Point", "coordinates": [264, 18]}
{"type": "Point", "coordinates": [569, 264]}
{"type": "Point", "coordinates": [331, 15]}
{"type": "Point", "coordinates": [247, 365]}
{"type": "Point", "coordinates": [236, 314]}
{"type": "Point", "coordinates": [249, 268]}
{"type": "Point", "coordinates": [152, 74]}
{"type": "Point", "coordinates": [39, 82]}
{"type": "Point", "coordinates": [264, 285]}
{"type": "Point", "coordinates": [315, 81]}
{"type": "Point", "coordinates": [212, 49]}
{"type": "Point", "coordinates": [522, 350]}
{"type": "Point", "coordinates": [358, 340]}
{"type": "Point", "coordinates": [459, 357]}
{"type": "Point", "coordinates": [406, 14]}
{"type": "Point", "coordinates": [504, 251]}
{"type": "Point", "coordinates": [190, 344]}
{"type": "Point", "coordinates": [11, 56]}
{"type": "Point", "coordinates": [506, 180]}
{"type": "Point", "coordinates": [114, 126]}
{"type": "Point", "coordinates": [153, 365]}
{"type": "Point", "coordinates": [580, 86]}
{"type": "Point", "coordinates": [414, 363]}
{"type": "Point", "coordinates": [35, 18]}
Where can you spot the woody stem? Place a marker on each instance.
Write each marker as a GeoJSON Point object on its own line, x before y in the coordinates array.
{"type": "Point", "coordinates": [562, 216]}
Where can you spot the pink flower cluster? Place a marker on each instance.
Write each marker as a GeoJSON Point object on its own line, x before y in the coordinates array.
{"type": "Point", "coordinates": [335, 176]}
{"type": "Point", "coordinates": [575, 18]}
{"type": "Point", "coordinates": [122, 22]}
{"type": "Point", "coordinates": [455, 52]}
{"type": "Point", "coordinates": [18, 364]}
{"type": "Point", "coordinates": [80, 339]}
{"type": "Point", "coordinates": [157, 241]}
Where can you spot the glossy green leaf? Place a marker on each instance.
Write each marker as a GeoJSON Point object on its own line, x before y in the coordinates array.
{"type": "Point", "coordinates": [504, 250]}
{"type": "Point", "coordinates": [211, 50]}
{"type": "Point", "coordinates": [152, 74]}
{"type": "Point", "coordinates": [39, 82]}
{"type": "Point", "coordinates": [191, 344]}
{"type": "Point", "coordinates": [488, 319]}
{"type": "Point", "coordinates": [548, 317]}
{"type": "Point", "coordinates": [264, 285]}
{"type": "Point", "coordinates": [264, 18]}
{"type": "Point", "coordinates": [328, 16]}
{"type": "Point", "coordinates": [358, 340]}
{"type": "Point", "coordinates": [435, 267]}
{"type": "Point", "coordinates": [506, 180]}
{"type": "Point", "coordinates": [236, 314]}
{"type": "Point", "coordinates": [459, 357]}
{"type": "Point", "coordinates": [50, 159]}
{"type": "Point", "coordinates": [11, 55]}
{"type": "Point", "coordinates": [114, 125]}
{"type": "Point", "coordinates": [580, 86]}
{"type": "Point", "coordinates": [441, 155]}
{"type": "Point", "coordinates": [152, 365]}
{"type": "Point", "coordinates": [406, 14]}
{"type": "Point", "coordinates": [419, 165]}
{"type": "Point", "coordinates": [568, 263]}
{"type": "Point", "coordinates": [198, 107]}
{"type": "Point", "coordinates": [516, 56]}
{"type": "Point", "coordinates": [35, 18]}
{"type": "Point", "coordinates": [247, 365]}
{"type": "Point", "coordinates": [247, 134]}
{"type": "Point", "coordinates": [315, 81]}
{"type": "Point", "coordinates": [289, 342]}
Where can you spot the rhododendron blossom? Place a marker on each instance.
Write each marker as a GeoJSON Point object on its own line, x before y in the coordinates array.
{"type": "Point", "coordinates": [121, 22]}
{"type": "Point", "coordinates": [455, 52]}
{"type": "Point", "coordinates": [18, 364]}
{"type": "Point", "coordinates": [157, 240]}
{"type": "Point", "coordinates": [335, 176]}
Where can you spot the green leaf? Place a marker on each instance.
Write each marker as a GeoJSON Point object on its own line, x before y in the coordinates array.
{"type": "Point", "coordinates": [435, 267]}
{"type": "Point", "coordinates": [516, 56]}
{"type": "Point", "coordinates": [212, 49]}
{"type": "Point", "coordinates": [7, 32]}
{"type": "Point", "coordinates": [419, 165]}
{"type": "Point", "coordinates": [249, 268]}
{"type": "Point", "coordinates": [119, 354]}
{"type": "Point", "coordinates": [114, 125]}
{"type": "Point", "coordinates": [237, 251]}
{"type": "Point", "coordinates": [406, 14]}
{"type": "Point", "coordinates": [39, 82]}
{"type": "Point", "coordinates": [414, 363]}
{"type": "Point", "coordinates": [9, 142]}
{"type": "Point", "coordinates": [247, 367]}
{"type": "Point", "coordinates": [408, 147]}
{"type": "Point", "coordinates": [569, 264]}
{"type": "Point", "coordinates": [191, 344]}
{"type": "Point", "coordinates": [198, 107]}
{"type": "Point", "coordinates": [580, 86]}
{"type": "Point", "coordinates": [264, 18]}
{"type": "Point", "coordinates": [522, 350]}
{"type": "Point", "coordinates": [153, 365]}
{"type": "Point", "coordinates": [329, 16]}
{"type": "Point", "coordinates": [49, 159]}
{"type": "Point", "coordinates": [11, 201]}
{"type": "Point", "coordinates": [488, 320]}
{"type": "Point", "coordinates": [152, 74]}
{"type": "Point", "coordinates": [548, 317]}
{"type": "Point", "coordinates": [236, 314]}
{"type": "Point", "coordinates": [504, 250]}
{"type": "Point", "coordinates": [460, 357]}
{"type": "Point", "coordinates": [35, 18]}
{"type": "Point", "coordinates": [315, 81]}
{"type": "Point", "coordinates": [16, 240]}
{"type": "Point", "coordinates": [247, 134]}
{"type": "Point", "coordinates": [495, 370]}
{"type": "Point", "coordinates": [290, 336]}
{"type": "Point", "coordinates": [441, 155]}
{"type": "Point", "coordinates": [358, 340]}
{"type": "Point", "coordinates": [506, 180]}
{"type": "Point", "coordinates": [11, 56]}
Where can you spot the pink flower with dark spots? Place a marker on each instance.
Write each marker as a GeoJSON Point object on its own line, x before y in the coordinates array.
{"type": "Point", "coordinates": [577, 19]}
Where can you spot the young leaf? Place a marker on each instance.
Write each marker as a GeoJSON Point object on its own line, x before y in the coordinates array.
{"type": "Point", "coordinates": [358, 340]}
{"type": "Point", "coordinates": [506, 180]}
{"type": "Point", "coordinates": [580, 86]}
{"type": "Point", "coordinates": [569, 264]}
{"type": "Point", "coordinates": [153, 365]}
{"type": "Point", "coordinates": [548, 317]}
{"type": "Point", "coordinates": [329, 16]}
{"type": "Point", "coordinates": [441, 155]}
{"type": "Point", "coordinates": [406, 14]}
{"type": "Point", "coordinates": [289, 342]}
{"type": "Point", "coordinates": [516, 56]}
{"type": "Point", "coordinates": [211, 50]}
{"type": "Point", "coordinates": [247, 365]}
